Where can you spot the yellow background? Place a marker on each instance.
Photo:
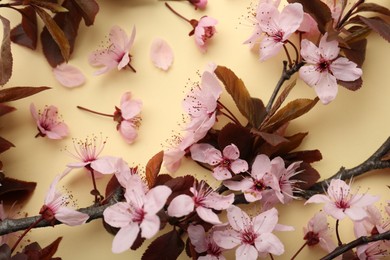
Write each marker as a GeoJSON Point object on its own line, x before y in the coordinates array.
{"type": "Point", "coordinates": [346, 131]}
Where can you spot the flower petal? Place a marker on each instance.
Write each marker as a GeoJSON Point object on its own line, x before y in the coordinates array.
{"type": "Point", "coordinates": [266, 221]}
{"type": "Point", "coordinates": [69, 76]}
{"type": "Point", "coordinates": [227, 238]}
{"type": "Point", "coordinates": [231, 152]}
{"type": "Point", "coordinates": [197, 237]}
{"type": "Point", "coordinates": [207, 215]}
{"type": "Point", "coordinates": [125, 238]}
{"type": "Point", "coordinates": [218, 201]}
{"type": "Point", "coordinates": [161, 54]}
{"type": "Point", "coordinates": [155, 199]}
{"type": "Point", "coordinates": [128, 132]}
{"type": "Point", "coordinates": [291, 18]}
{"type": "Point", "coordinates": [181, 206]}
{"type": "Point", "coordinates": [71, 217]}
{"type": "Point", "coordinates": [118, 215]}
{"type": "Point", "coordinates": [269, 243]}
{"type": "Point", "coordinates": [238, 219]}
{"type": "Point", "coordinates": [150, 226]}
{"type": "Point", "coordinates": [344, 69]}
{"type": "Point", "coordinates": [260, 166]}
{"type": "Point", "coordinates": [239, 166]}
{"type": "Point", "coordinates": [246, 252]}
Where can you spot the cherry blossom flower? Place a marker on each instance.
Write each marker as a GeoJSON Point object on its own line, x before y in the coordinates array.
{"type": "Point", "coordinates": [203, 31]}
{"type": "Point", "coordinates": [226, 162]}
{"type": "Point", "coordinates": [252, 236]}
{"type": "Point", "coordinates": [372, 251]}
{"type": "Point", "coordinates": [204, 243]}
{"type": "Point", "coordinates": [55, 206]}
{"type": "Point", "coordinates": [323, 68]}
{"type": "Point", "coordinates": [317, 232]}
{"type": "Point", "coordinates": [260, 180]}
{"type": "Point", "coordinates": [68, 75]}
{"type": "Point", "coordinates": [161, 54]}
{"type": "Point", "coordinates": [373, 224]}
{"type": "Point", "coordinates": [201, 105]}
{"type": "Point", "coordinates": [340, 202]}
{"type": "Point", "coordinates": [203, 201]}
{"type": "Point", "coordinates": [116, 55]}
{"type": "Point", "coordinates": [48, 123]}
{"type": "Point", "coordinates": [137, 214]}
{"type": "Point", "coordinates": [128, 117]}
{"type": "Point", "coordinates": [199, 4]}
{"type": "Point", "coordinates": [277, 26]}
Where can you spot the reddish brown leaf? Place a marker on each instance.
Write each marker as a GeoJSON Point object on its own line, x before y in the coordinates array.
{"type": "Point", "coordinates": [238, 135]}
{"type": "Point", "coordinates": [26, 33]}
{"type": "Point", "coordinates": [357, 34]}
{"type": "Point", "coordinates": [88, 10]}
{"type": "Point", "coordinates": [180, 185]}
{"type": "Point", "coordinates": [54, 7]}
{"type": "Point", "coordinates": [56, 32]}
{"type": "Point", "coordinates": [292, 110]}
{"type": "Point", "coordinates": [281, 98]}
{"type": "Point", "coordinates": [378, 25]}
{"type": "Point", "coordinates": [372, 7]}
{"type": "Point", "coordinates": [356, 52]}
{"type": "Point", "coordinates": [309, 176]}
{"type": "Point", "coordinates": [138, 242]}
{"type": "Point", "coordinates": [5, 252]}
{"type": "Point", "coordinates": [153, 169]}
{"type": "Point", "coordinates": [5, 145]}
{"type": "Point", "coordinates": [318, 10]}
{"type": "Point", "coordinates": [252, 108]}
{"type": "Point", "coordinates": [162, 179]}
{"type": "Point", "coordinates": [4, 109]}
{"type": "Point", "coordinates": [15, 93]}
{"type": "Point", "coordinates": [12, 185]}
{"type": "Point", "coordinates": [279, 150]}
{"type": "Point", "coordinates": [167, 246]}
{"type": "Point", "coordinates": [272, 139]}
{"type": "Point", "coordinates": [308, 156]}
{"type": "Point", "coordinates": [48, 252]}
{"type": "Point", "coordinates": [112, 186]}
{"type": "Point", "coordinates": [5, 53]}
{"type": "Point", "coordinates": [351, 85]}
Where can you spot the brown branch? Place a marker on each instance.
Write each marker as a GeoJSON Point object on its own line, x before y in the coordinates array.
{"type": "Point", "coordinates": [374, 162]}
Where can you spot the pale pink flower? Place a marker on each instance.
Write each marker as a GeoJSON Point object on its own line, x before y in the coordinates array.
{"type": "Point", "coordinates": [277, 26]}
{"type": "Point", "coordinates": [203, 201]}
{"type": "Point", "coordinates": [48, 123]}
{"type": "Point", "coordinates": [199, 4]}
{"type": "Point", "coordinates": [204, 243]}
{"type": "Point", "coordinates": [128, 117]}
{"type": "Point", "coordinates": [340, 202]}
{"type": "Point", "coordinates": [116, 55]}
{"type": "Point", "coordinates": [202, 105]}
{"type": "Point", "coordinates": [55, 206]}
{"type": "Point", "coordinates": [161, 54]}
{"type": "Point", "coordinates": [87, 155]}
{"type": "Point", "coordinates": [324, 67]}
{"type": "Point", "coordinates": [137, 214]}
{"type": "Point", "coordinates": [68, 75]}
{"type": "Point", "coordinates": [203, 31]}
{"type": "Point", "coordinates": [317, 232]}
{"type": "Point", "coordinates": [261, 179]}
{"type": "Point", "coordinates": [225, 163]}
{"type": "Point", "coordinates": [373, 224]}
{"type": "Point", "coordinates": [373, 251]}
{"type": "Point", "coordinates": [252, 236]}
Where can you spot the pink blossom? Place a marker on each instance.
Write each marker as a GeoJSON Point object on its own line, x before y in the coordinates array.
{"type": "Point", "coordinates": [204, 243]}
{"type": "Point", "coordinates": [116, 55]}
{"type": "Point", "coordinates": [68, 75]}
{"type": "Point", "coordinates": [48, 123]}
{"type": "Point", "coordinates": [226, 162]}
{"type": "Point", "coordinates": [203, 31]}
{"type": "Point", "coordinates": [199, 4]}
{"type": "Point", "coordinates": [323, 68]}
{"type": "Point", "coordinates": [340, 202]}
{"type": "Point", "coordinates": [372, 251]}
{"type": "Point", "coordinates": [204, 200]}
{"type": "Point", "coordinates": [161, 54]}
{"type": "Point", "coordinates": [373, 224]}
{"type": "Point", "coordinates": [128, 117]}
{"type": "Point", "coordinates": [317, 232]}
{"type": "Point", "coordinates": [252, 236]}
{"type": "Point", "coordinates": [261, 179]}
{"type": "Point", "coordinates": [173, 156]}
{"type": "Point", "coordinates": [55, 206]}
{"type": "Point", "coordinates": [201, 105]}
{"type": "Point", "coordinates": [137, 214]}
{"type": "Point", "coordinates": [277, 27]}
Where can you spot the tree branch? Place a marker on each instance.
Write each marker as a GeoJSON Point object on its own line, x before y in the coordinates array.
{"type": "Point", "coordinates": [374, 162]}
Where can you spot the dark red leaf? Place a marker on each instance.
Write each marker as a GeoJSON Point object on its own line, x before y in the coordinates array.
{"type": "Point", "coordinates": [190, 250]}
{"type": "Point", "coordinates": [153, 168]}
{"type": "Point", "coordinates": [356, 52]}
{"type": "Point", "coordinates": [112, 186]}
{"type": "Point", "coordinates": [4, 109]}
{"type": "Point", "coordinates": [52, 6]}
{"type": "Point", "coordinates": [252, 108]}
{"type": "Point", "coordinates": [26, 33]}
{"type": "Point", "coordinates": [378, 25]}
{"type": "Point", "coordinates": [180, 185]}
{"type": "Point", "coordinates": [309, 176]}
{"type": "Point", "coordinates": [110, 229]}
{"type": "Point", "coordinates": [162, 179]}
{"type": "Point", "coordinates": [5, 145]}
{"type": "Point", "coordinates": [351, 85]}
{"type": "Point", "coordinates": [15, 93]}
{"type": "Point", "coordinates": [9, 185]}
{"type": "Point", "coordinates": [138, 242]}
{"type": "Point", "coordinates": [48, 252]}
{"type": "Point", "coordinates": [318, 10]}
{"type": "Point", "coordinates": [279, 150]}
{"type": "Point", "coordinates": [372, 7]}
{"type": "Point", "coordinates": [238, 135]}
{"type": "Point", "coordinates": [281, 98]}
{"type": "Point", "coordinates": [5, 53]}
{"type": "Point", "coordinates": [308, 156]}
{"type": "Point", "coordinates": [88, 10]}
{"type": "Point", "coordinates": [5, 252]}
{"type": "Point", "coordinates": [272, 139]}
{"type": "Point", "coordinates": [56, 33]}
{"type": "Point", "coordinates": [167, 246]}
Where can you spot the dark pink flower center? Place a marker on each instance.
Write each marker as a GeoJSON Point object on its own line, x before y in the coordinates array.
{"type": "Point", "coordinates": [312, 238]}
{"type": "Point", "coordinates": [213, 249]}
{"type": "Point", "coordinates": [208, 33]}
{"type": "Point", "coordinates": [225, 163]}
{"type": "Point", "coordinates": [278, 36]}
{"type": "Point", "coordinates": [248, 237]}
{"type": "Point", "coordinates": [259, 185]}
{"type": "Point", "coordinates": [138, 215]}
{"type": "Point", "coordinates": [342, 204]}
{"type": "Point", "coordinates": [323, 65]}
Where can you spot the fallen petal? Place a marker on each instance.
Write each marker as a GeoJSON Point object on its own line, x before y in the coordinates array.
{"type": "Point", "coordinates": [161, 54]}
{"type": "Point", "coordinates": [69, 76]}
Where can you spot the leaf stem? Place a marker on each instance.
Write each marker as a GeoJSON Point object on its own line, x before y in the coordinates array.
{"type": "Point", "coordinates": [94, 112]}
{"type": "Point", "coordinates": [173, 11]}
{"type": "Point", "coordinates": [338, 233]}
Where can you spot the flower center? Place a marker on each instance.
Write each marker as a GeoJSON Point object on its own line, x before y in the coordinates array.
{"type": "Point", "coordinates": [138, 215]}
{"type": "Point", "coordinates": [342, 204]}
{"type": "Point", "coordinates": [312, 238]}
{"type": "Point", "coordinates": [213, 249]}
{"type": "Point", "coordinates": [259, 185]}
{"type": "Point", "coordinates": [323, 65]}
{"type": "Point", "coordinates": [248, 237]}
{"type": "Point", "coordinates": [278, 36]}
{"type": "Point", "coordinates": [208, 33]}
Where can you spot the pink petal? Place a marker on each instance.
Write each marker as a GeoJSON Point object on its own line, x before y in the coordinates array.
{"type": "Point", "coordinates": [128, 131]}
{"type": "Point", "coordinates": [197, 237]}
{"type": "Point", "coordinates": [180, 206]}
{"type": "Point", "coordinates": [318, 198]}
{"type": "Point", "coordinates": [239, 166]}
{"type": "Point", "coordinates": [130, 107]}
{"type": "Point", "coordinates": [161, 54]}
{"type": "Point", "coordinates": [69, 76]}
{"type": "Point", "coordinates": [310, 52]}
{"type": "Point", "coordinates": [326, 88]}
{"type": "Point", "coordinates": [119, 39]}
{"type": "Point", "coordinates": [231, 152]}
{"type": "Point", "coordinates": [269, 48]}
{"type": "Point", "coordinates": [208, 215]}
{"type": "Point", "coordinates": [155, 199]}
{"type": "Point", "coordinates": [260, 166]}
{"type": "Point", "coordinates": [243, 185]}
{"type": "Point", "coordinates": [118, 215]}
{"type": "Point", "coordinates": [246, 252]}
{"type": "Point", "coordinates": [227, 238]}
{"type": "Point", "coordinates": [71, 217]}
{"type": "Point", "coordinates": [329, 49]}
{"type": "Point", "coordinates": [356, 214]}
{"type": "Point", "coordinates": [172, 159]}
{"type": "Point", "coordinates": [334, 211]}
{"type": "Point", "coordinates": [308, 25]}
{"type": "Point", "coordinates": [290, 19]}
{"type": "Point", "coordinates": [150, 226]}
{"type": "Point", "coordinates": [238, 219]}
{"type": "Point", "coordinates": [125, 238]}
{"type": "Point", "coordinates": [211, 85]}
{"type": "Point", "coordinates": [105, 164]}
{"type": "Point", "coordinates": [198, 151]}
{"type": "Point", "coordinates": [218, 201]}
{"type": "Point", "coordinates": [221, 173]}
{"type": "Point", "coordinates": [266, 221]}
{"type": "Point", "coordinates": [363, 200]}
{"type": "Point", "coordinates": [207, 21]}
{"type": "Point", "coordinates": [269, 243]}
{"type": "Point", "coordinates": [124, 61]}
{"type": "Point", "coordinates": [59, 131]}
{"type": "Point", "coordinates": [268, 15]}
{"type": "Point", "coordinates": [344, 69]}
